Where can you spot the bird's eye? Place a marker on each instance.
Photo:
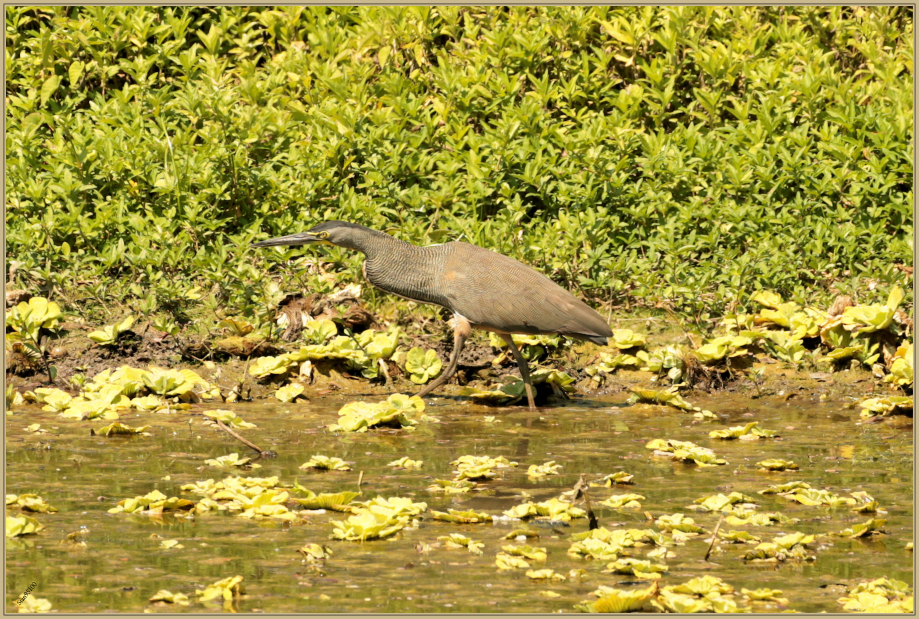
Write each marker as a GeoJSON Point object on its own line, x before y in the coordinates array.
{"type": "Point", "coordinates": [323, 235]}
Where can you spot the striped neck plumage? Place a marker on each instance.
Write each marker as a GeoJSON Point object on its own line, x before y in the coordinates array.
{"type": "Point", "coordinates": [374, 244]}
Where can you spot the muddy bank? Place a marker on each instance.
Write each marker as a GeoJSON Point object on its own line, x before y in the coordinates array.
{"type": "Point", "coordinates": [225, 361]}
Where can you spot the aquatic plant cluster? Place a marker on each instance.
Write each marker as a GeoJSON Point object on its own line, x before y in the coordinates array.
{"type": "Point", "coordinates": [877, 337]}
{"type": "Point", "coordinates": [618, 549]}
{"type": "Point", "coordinates": [641, 554]}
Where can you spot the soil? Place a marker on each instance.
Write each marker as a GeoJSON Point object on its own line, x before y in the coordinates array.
{"type": "Point", "coordinates": [74, 353]}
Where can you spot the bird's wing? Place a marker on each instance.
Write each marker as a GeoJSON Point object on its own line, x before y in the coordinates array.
{"type": "Point", "coordinates": [498, 293]}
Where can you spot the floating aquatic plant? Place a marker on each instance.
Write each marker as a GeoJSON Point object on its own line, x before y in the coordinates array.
{"type": "Point", "coordinates": [326, 463]}
{"type": "Point", "coordinates": [624, 501]}
{"type": "Point", "coordinates": [618, 600]}
{"type": "Point", "coordinates": [396, 411]}
{"type": "Point", "coordinates": [686, 451]}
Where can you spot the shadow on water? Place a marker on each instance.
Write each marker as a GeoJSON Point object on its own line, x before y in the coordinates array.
{"type": "Point", "coordinates": [123, 564]}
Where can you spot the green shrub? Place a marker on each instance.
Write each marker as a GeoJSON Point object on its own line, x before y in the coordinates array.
{"type": "Point", "coordinates": [674, 157]}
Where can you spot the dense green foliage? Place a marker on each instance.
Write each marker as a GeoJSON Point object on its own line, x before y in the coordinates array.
{"type": "Point", "coordinates": [677, 157]}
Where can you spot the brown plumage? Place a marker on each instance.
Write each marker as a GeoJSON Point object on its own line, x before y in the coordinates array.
{"type": "Point", "coordinates": [484, 290]}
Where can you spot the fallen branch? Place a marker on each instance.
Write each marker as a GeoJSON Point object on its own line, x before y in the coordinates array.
{"type": "Point", "coordinates": [714, 537]}
{"type": "Point", "coordinates": [261, 452]}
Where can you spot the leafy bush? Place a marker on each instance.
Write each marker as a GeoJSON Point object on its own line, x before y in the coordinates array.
{"type": "Point", "coordinates": [675, 157]}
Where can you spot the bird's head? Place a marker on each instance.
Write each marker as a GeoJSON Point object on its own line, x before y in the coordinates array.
{"type": "Point", "coordinates": [341, 233]}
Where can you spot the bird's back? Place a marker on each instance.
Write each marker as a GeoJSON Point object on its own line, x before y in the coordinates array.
{"type": "Point", "coordinates": [492, 291]}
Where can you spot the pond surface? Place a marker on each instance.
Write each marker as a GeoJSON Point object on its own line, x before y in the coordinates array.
{"type": "Point", "coordinates": [123, 564]}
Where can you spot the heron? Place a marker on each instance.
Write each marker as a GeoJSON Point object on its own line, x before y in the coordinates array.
{"type": "Point", "coordinates": [483, 289]}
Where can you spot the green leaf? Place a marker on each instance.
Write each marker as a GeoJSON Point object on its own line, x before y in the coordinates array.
{"type": "Point", "coordinates": [49, 87]}
{"type": "Point", "coordinates": [75, 72]}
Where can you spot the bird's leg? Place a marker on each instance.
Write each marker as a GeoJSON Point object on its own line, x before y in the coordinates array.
{"type": "Point", "coordinates": [461, 330]}
{"type": "Point", "coordinates": [524, 369]}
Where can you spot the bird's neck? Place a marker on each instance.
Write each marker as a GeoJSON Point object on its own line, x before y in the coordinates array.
{"type": "Point", "coordinates": [402, 268]}
{"type": "Point", "coordinates": [375, 245]}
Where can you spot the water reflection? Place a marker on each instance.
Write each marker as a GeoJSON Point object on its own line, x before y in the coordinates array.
{"type": "Point", "coordinates": [123, 563]}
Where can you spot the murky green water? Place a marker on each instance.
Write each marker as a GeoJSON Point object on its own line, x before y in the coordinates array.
{"type": "Point", "coordinates": [122, 564]}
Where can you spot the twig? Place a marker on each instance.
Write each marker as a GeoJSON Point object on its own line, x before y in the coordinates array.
{"type": "Point", "coordinates": [227, 429]}
{"type": "Point", "coordinates": [350, 334]}
{"type": "Point", "coordinates": [714, 537]}
{"type": "Point", "coordinates": [580, 490]}
{"type": "Point", "coordinates": [360, 480]}
{"type": "Point", "coordinates": [382, 364]}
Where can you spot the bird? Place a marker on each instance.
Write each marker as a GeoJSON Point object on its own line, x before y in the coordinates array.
{"type": "Point", "coordinates": [483, 289]}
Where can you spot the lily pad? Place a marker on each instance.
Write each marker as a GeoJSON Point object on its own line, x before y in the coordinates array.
{"type": "Point", "coordinates": [686, 451]}
{"type": "Point", "coordinates": [786, 487]}
{"type": "Point", "coordinates": [719, 348]}
{"type": "Point", "coordinates": [505, 561]}
{"type": "Point", "coordinates": [545, 574]}
{"type": "Point", "coordinates": [901, 366]}
{"type": "Point", "coordinates": [749, 431]}
{"type": "Point", "coordinates": [678, 522]}
{"type": "Point", "coordinates": [528, 552]}
{"type": "Point", "coordinates": [116, 428]}
{"type": "Point", "coordinates": [619, 477]}
{"type": "Point", "coordinates": [230, 461]}
{"type": "Point", "coordinates": [29, 503]}
{"type": "Point", "coordinates": [722, 502]}
{"type": "Point", "coordinates": [406, 463]}
{"type": "Point", "coordinates": [422, 365]}
{"type": "Point", "coordinates": [765, 595]}
{"type": "Point", "coordinates": [338, 501]}
{"type": "Point", "coordinates": [458, 540]}
{"type": "Point", "coordinates": [109, 334]}
{"type": "Point", "coordinates": [607, 363]}
{"type": "Point", "coordinates": [864, 529]}
{"type": "Point", "coordinates": [619, 600]}
{"type": "Point", "coordinates": [777, 464]}
{"type": "Point", "coordinates": [480, 467]}
{"type": "Point", "coordinates": [315, 553]}
{"type": "Point", "coordinates": [813, 496]}
{"type": "Point", "coordinates": [885, 406]}
{"type": "Point", "coordinates": [543, 470]}
{"type": "Point", "coordinates": [462, 517]}
{"type": "Point", "coordinates": [396, 506]}
{"type": "Point", "coordinates": [624, 501]}
{"type": "Point", "coordinates": [879, 596]}
{"type": "Point", "coordinates": [738, 537]}
{"type": "Point", "coordinates": [668, 398]}
{"type": "Point", "coordinates": [553, 509]}
{"type": "Point", "coordinates": [35, 605]}
{"type": "Point", "coordinates": [506, 394]}
{"type": "Point", "coordinates": [290, 392]}
{"type": "Point", "coordinates": [326, 463]}
{"type": "Point", "coordinates": [22, 525]}
{"type": "Point", "coordinates": [151, 504]}
{"type": "Point", "coordinates": [751, 518]}
{"type": "Point", "coordinates": [781, 549]}
{"type": "Point", "coordinates": [224, 590]}
{"type": "Point", "coordinates": [267, 366]}
{"type": "Point", "coordinates": [639, 568]}
{"type": "Point", "coordinates": [368, 525]}
{"type": "Point", "coordinates": [452, 486]}
{"type": "Point", "coordinates": [164, 595]}
{"type": "Point", "coordinates": [396, 411]}
{"type": "Point", "coordinates": [624, 339]}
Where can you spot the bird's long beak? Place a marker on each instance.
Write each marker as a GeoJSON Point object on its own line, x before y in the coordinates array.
{"type": "Point", "coordinates": [301, 238]}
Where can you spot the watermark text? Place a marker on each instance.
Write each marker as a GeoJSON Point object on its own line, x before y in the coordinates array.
{"type": "Point", "coordinates": [26, 594]}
